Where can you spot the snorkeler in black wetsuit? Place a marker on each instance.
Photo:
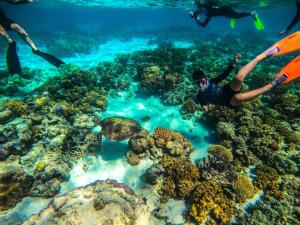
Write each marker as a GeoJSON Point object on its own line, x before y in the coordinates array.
{"type": "Point", "coordinates": [230, 95]}
{"type": "Point", "coordinates": [210, 10]}
{"type": "Point", "coordinates": [7, 24]}
{"type": "Point", "coordinates": [294, 21]}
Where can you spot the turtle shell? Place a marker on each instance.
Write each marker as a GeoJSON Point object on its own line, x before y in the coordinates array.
{"type": "Point", "coordinates": [119, 128]}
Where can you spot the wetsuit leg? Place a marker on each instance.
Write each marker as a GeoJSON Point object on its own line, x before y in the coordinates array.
{"type": "Point", "coordinates": [295, 20]}
{"type": "Point", "coordinates": [230, 13]}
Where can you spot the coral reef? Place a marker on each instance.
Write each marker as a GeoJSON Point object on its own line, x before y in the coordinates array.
{"type": "Point", "coordinates": [14, 184]}
{"type": "Point", "coordinates": [96, 203]}
{"type": "Point", "coordinates": [180, 177]}
{"type": "Point", "coordinates": [210, 205]}
{"type": "Point", "coordinates": [168, 142]}
{"type": "Point", "coordinates": [243, 188]}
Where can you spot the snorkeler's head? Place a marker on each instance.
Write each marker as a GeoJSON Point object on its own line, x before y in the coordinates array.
{"type": "Point", "coordinates": [198, 74]}
{"type": "Point", "coordinates": [200, 79]}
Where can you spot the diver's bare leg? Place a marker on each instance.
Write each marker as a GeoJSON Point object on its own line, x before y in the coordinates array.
{"type": "Point", "coordinates": [237, 82]}
{"type": "Point", "coordinates": [242, 97]}
{"type": "Point", "coordinates": [4, 34]}
{"type": "Point", "coordinates": [23, 35]}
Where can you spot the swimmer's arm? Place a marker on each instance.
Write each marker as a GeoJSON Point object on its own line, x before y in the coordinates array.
{"type": "Point", "coordinates": [227, 71]}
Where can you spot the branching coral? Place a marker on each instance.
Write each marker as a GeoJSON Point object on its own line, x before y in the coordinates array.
{"type": "Point", "coordinates": [210, 204]}
{"type": "Point", "coordinates": [181, 176]}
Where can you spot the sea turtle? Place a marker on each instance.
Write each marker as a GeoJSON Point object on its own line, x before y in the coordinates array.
{"type": "Point", "coordinates": [120, 128]}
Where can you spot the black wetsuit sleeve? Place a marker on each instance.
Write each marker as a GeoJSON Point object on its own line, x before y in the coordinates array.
{"type": "Point", "coordinates": [17, 1]}
{"type": "Point", "coordinates": [200, 99]}
{"type": "Point", "coordinates": [206, 21]}
{"type": "Point", "coordinates": [224, 75]}
{"type": "Point", "coordinates": [296, 18]}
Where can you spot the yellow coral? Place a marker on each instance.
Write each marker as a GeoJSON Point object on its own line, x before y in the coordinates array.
{"type": "Point", "coordinates": [151, 141]}
{"type": "Point", "coordinates": [17, 107]}
{"type": "Point", "coordinates": [169, 135]}
{"type": "Point", "coordinates": [40, 166]}
{"type": "Point", "coordinates": [243, 188]}
{"type": "Point", "coordinates": [221, 151]}
{"type": "Point", "coordinates": [209, 203]}
{"type": "Point", "coordinates": [40, 102]}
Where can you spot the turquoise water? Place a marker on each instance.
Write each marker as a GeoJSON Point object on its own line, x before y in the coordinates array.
{"type": "Point", "coordinates": [134, 60]}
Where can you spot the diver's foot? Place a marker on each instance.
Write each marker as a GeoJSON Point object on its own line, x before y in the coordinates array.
{"type": "Point", "coordinates": [35, 51]}
{"type": "Point", "coordinates": [254, 15]}
{"type": "Point", "coordinates": [10, 41]}
{"type": "Point", "coordinates": [271, 51]}
{"type": "Point", "coordinates": [279, 80]}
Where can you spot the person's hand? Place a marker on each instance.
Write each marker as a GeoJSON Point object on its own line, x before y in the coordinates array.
{"type": "Point", "coordinates": [236, 58]}
{"type": "Point", "coordinates": [283, 33]}
{"type": "Point", "coordinates": [205, 108]}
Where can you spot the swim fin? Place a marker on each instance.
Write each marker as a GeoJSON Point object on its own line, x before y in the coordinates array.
{"type": "Point", "coordinates": [233, 23]}
{"type": "Point", "coordinates": [12, 59]}
{"type": "Point", "coordinates": [288, 44]}
{"type": "Point", "coordinates": [291, 70]}
{"type": "Point", "coordinates": [257, 22]}
{"type": "Point", "coordinates": [49, 58]}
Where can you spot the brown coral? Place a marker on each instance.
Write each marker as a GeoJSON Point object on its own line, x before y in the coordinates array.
{"type": "Point", "coordinates": [243, 188]}
{"type": "Point", "coordinates": [210, 204]}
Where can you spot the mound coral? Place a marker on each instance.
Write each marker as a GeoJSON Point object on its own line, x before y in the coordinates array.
{"type": "Point", "coordinates": [243, 188]}
{"type": "Point", "coordinates": [168, 142]}
{"type": "Point", "coordinates": [96, 203]}
{"type": "Point", "coordinates": [180, 177]}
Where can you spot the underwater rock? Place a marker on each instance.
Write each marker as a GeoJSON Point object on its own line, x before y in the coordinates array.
{"type": "Point", "coordinates": [14, 184]}
{"type": "Point", "coordinates": [95, 203]}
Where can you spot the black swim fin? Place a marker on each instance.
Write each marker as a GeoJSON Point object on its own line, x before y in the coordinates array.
{"type": "Point", "coordinates": [12, 59]}
{"type": "Point", "coordinates": [49, 58]}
